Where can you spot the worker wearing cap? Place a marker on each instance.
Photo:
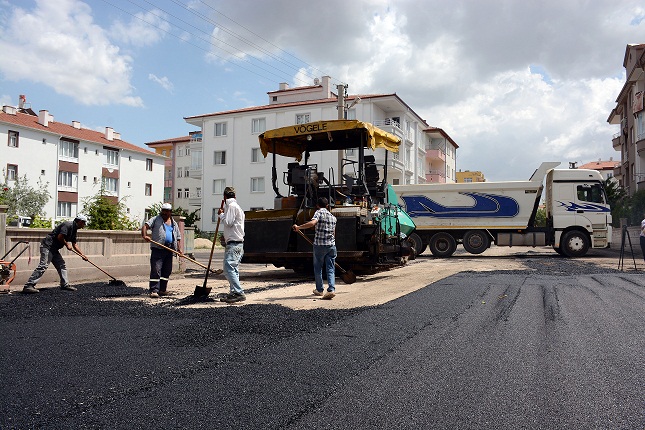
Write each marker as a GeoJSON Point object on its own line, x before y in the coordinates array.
{"type": "Point", "coordinates": [63, 235]}
{"type": "Point", "coordinates": [164, 230]}
{"type": "Point", "coordinates": [232, 219]}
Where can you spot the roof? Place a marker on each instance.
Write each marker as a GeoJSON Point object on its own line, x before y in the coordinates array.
{"type": "Point", "coordinates": [443, 133]}
{"type": "Point", "coordinates": [600, 165]}
{"type": "Point", "coordinates": [293, 140]}
{"type": "Point", "coordinates": [67, 130]}
{"type": "Point", "coordinates": [333, 100]}
{"type": "Point", "coordinates": [170, 141]}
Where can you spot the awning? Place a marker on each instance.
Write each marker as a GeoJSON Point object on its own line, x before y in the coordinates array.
{"type": "Point", "coordinates": [294, 140]}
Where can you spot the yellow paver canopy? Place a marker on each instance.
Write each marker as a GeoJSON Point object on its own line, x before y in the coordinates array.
{"type": "Point", "coordinates": [294, 140]}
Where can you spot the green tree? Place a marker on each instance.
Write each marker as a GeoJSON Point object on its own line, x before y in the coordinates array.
{"type": "Point", "coordinates": [618, 201]}
{"type": "Point", "coordinates": [105, 214]}
{"type": "Point", "coordinates": [23, 199]}
{"type": "Point", "coordinates": [191, 217]}
{"type": "Point", "coordinates": [540, 217]}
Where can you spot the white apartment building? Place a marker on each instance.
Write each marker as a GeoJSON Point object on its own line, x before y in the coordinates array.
{"type": "Point", "coordinates": [75, 161]}
{"type": "Point", "coordinates": [229, 151]}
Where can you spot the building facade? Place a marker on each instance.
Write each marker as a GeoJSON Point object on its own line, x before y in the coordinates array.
{"type": "Point", "coordinates": [469, 176]}
{"type": "Point", "coordinates": [75, 162]}
{"type": "Point", "coordinates": [228, 153]}
{"type": "Point", "coordinates": [629, 114]}
{"type": "Point", "coordinates": [606, 168]}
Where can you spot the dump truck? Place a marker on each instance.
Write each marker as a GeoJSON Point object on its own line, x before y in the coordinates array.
{"type": "Point", "coordinates": [477, 215]}
{"type": "Point", "coordinates": [371, 232]}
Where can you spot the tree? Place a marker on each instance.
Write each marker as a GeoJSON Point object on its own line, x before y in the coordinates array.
{"type": "Point", "coordinates": [23, 199]}
{"type": "Point", "coordinates": [191, 218]}
{"type": "Point", "coordinates": [105, 214]}
{"type": "Point", "coordinates": [618, 201]}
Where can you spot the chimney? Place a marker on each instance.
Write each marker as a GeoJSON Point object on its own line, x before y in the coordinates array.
{"type": "Point", "coordinates": [109, 133]}
{"type": "Point", "coordinates": [21, 101]}
{"type": "Point", "coordinates": [43, 118]}
{"type": "Point", "coordinates": [117, 136]}
{"type": "Point", "coordinates": [284, 86]}
{"type": "Point", "coordinates": [11, 110]}
{"type": "Point", "coordinates": [76, 125]}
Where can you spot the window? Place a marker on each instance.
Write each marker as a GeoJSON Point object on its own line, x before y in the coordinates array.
{"type": "Point", "coordinates": [395, 181]}
{"type": "Point", "coordinates": [256, 156]}
{"type": "Point", "coordinates": [44, 141]}
{"type": "Point", "coordinates": [219, 157]}
{"type": "Point", "coordinates": [220, 129]}
{"type": "Point", "coordinates": [214, 214]}
{"type": "Point", "coordinates": [187, 172]}
{"type": "Point", "coordinates": [148, 190]}
{"type": "Point", "coordinates": [187, 150]}
{"type": "Point", "coordinates": [68, 149]}
{"type": "Point", "coordinates": [84, 178]}
{"type": "Point", "coordinates": [64, 209]}
{"type": "Point", "coordinates": [12, 172]}
{"type": "Point", "coordinates": [163, 152]}
{"type": "Point", "coordinates": [590, 193]}
{"type": "Point", "coordinates": [302, 118]}
{"type": "Point", "coordinates": [187, 193]}
{"type": "Point", "coordinates": [110, 184]}
{"type": "Point", "coordinates": [258, 125]}
{"type": "Point", "coordinates": [180, 172]}
{"type": "Point", "coordinates": [85, 150]}
{"type": "Point", "coordinates": [149, 164]}
{"type": "Point", "coordinates": [179, 190]}
{"type": "Point", "coordinates": [129, 184]}
{"type": "Point", "coordinates": [468, 180]}
{"type": "Point", "coordinates": [67, 179]}
{"type": "Point", "coordinates": [111, 157]}
{"type": "Point", "coordinates": [218, 186]}
{"type": "Point", "coordinates": [180, 151]}
{"type": "Point", "coordinates": [198, 192]}
{"type": "Point", "coordinates": [257, 185]}
{"type": "Point", "coordinates": [13, 139]}
{"type": "Point", "coordinates": [42, 173]}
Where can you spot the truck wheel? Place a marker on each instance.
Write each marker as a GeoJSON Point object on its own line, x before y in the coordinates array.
{"type": "Point", "coordinates": [442, 245]}
{"type": "Point", "coordinates": [574, 244]}
{"type": "Point", "coordinates": [417, 243]}
{"type": "Point", "coordinates": [476, 241]}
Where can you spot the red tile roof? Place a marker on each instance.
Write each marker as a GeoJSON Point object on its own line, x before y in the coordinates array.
{"type": "Point", "coordinates": [600, 165]}
{"type": "Point", "coordinates": [69, 131]}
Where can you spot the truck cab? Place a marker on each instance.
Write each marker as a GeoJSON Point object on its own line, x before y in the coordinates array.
{"type": "Point", "coordinates": [578, 211]}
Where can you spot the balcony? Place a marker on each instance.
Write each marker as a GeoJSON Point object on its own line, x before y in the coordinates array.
{"type": "Point", "coordinates": [616, 141]}
{"type": "Point", "coordinates": [390, 126]}
{"type": "Point", "coordinates": [436, 177]}
{"type": "Point", "coordinates": [640, 145]}
{"type": "Point", "coordinates": [435, 154]}
{"type": "Point", "coordinates": [195, 201]}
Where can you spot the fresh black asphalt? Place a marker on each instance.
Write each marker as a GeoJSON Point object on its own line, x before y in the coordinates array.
{"type": "Point", "coordinates": [559, 346]}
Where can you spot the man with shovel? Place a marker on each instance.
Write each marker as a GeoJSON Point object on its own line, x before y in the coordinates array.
{"type": "Point", "coordinates": [166, 231]}
{"type": "Point", "coordinates": [63, 235]}
{"type": "Point", "coordinates": [232, 219]}
{"type": "Point", "coordinates": [324, 248]}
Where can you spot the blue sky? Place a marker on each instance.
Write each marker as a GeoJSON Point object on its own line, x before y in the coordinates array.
{"type": "Point", "coordinates": [512, 82]}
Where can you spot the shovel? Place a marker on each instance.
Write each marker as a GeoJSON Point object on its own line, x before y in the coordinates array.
{"type": "Point", "coordinates": [204, 291]}
{"type": "Point", "coordinates": [215, 272]}
{"type": "Point", "coordinates": [348, 276]}
{"type": "Point", "coordinates": [113, 281]}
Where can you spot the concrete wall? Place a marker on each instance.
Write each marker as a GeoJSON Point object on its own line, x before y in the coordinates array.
{"type": "Point", "coordinates": [119, 253]}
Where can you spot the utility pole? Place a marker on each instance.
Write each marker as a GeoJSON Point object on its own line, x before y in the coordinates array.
{"type": "Point", "coordinates": [341, 115]}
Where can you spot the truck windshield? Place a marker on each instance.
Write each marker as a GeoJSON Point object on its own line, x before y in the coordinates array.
{"type": "Point", "coordinates": [591, 193]}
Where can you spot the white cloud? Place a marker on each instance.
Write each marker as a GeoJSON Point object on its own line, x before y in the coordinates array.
{"type": "Point", "coordinates": [65, 50]}
{"type": "Point", "coordinates": [144, 29]}
{"type": "Point", "coordinates": [164, 82]}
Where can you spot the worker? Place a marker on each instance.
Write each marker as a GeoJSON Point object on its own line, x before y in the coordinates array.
{"type": "Point", "coordinates": [63, 235]}
{"type": "Point", "coordinates": [232, 219]}
{"type": "Point", "coordinates": [324, 247]}
{"type": "Point", "coordinates": [165, 231]}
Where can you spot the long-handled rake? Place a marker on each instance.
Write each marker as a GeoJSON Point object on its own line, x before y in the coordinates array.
{"type": "Point", "coordinates": [113, 281]}
{"type": "Point", "coordinates": [213, 271]}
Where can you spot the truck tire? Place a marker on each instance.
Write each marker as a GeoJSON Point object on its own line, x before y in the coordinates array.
{"type": "Point", "coordinates": [476, 241]}
{"type": "Point", "coordinates": [417, 243]}
{"type": "Point", "coordinates": [574, 244]}
{"type": "Point", "coordinates": [442, 245]}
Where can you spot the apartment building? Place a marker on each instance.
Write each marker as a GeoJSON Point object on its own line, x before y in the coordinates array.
{"type": "Point", "coordinates": [468, 176]}
{"type": "Point", "coordinates": [229, 151]}
{"type": "Point", "coordinates": [629, 114]}
{"type": "Point", "coordinates": [180, 188]}
{"type": "Point", "coordinates": [74, 162]}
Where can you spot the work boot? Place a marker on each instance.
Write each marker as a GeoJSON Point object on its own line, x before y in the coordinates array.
{"type": "Point", "coordinates": [234, 298]}
{"type": "Point", "coordinates": [164, 293]}
{"type": "Point", "coordinates": [317, 293]}
{"type": "Point", "coordinates": [154, 295]}
{"type": "Point", "coordinates": [329, 295]}
{"type": "Point", "coordinates": [67, 287]}
{"type": "Point", "coordinates": [30, 290]}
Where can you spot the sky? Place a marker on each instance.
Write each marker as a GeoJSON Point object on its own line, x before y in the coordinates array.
{"type": "Point", "coordinates": [512, 82]}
